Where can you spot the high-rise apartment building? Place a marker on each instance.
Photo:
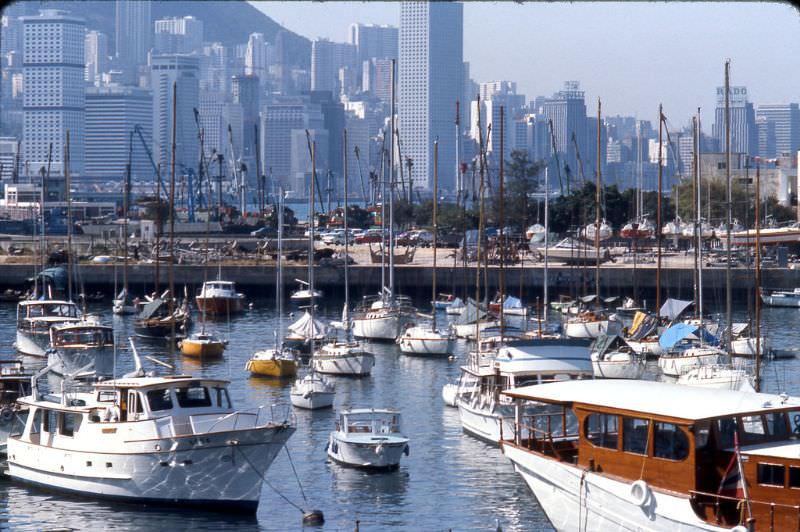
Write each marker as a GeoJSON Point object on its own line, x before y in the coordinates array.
{"type": "Point", "coordinates": [786, 117]}
{"type": "Point", "coordinates": [164, 71]}
{"type": "Point", "coordinates": [246, 93]}
{"type": "Point", "coordinates": [134, 31]}
{"type": "Point", "coordinates": [215, 116]}
{"type": "Point", "coordinates": [179, 35]}
{"type": "Point", "coordinates": [326, 59]}
{"type": "Point", "coordinates": [430, 82]}
{"type": "Point", "coordinates": [567, 110]}
{"type": "Point", "coordinates": [96, 54]}
{"type": "Point", "coordinates": [766, 137]}
{"type": "Point", "coordinates": [112, 113]}
{"type": "Point", "coordinates": [259, 57]}
{"type": "Point", "coordinates": [278, 119]}
{"type": "Point", "coordinates": [53, 101]}
{"type": "Point", "coordinates": [744, 135]}
{"type": "Point", "coordinates": [215, 69]}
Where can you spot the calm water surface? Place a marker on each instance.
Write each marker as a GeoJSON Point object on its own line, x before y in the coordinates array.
{"type": "Point", "coordinates": [449, 481]}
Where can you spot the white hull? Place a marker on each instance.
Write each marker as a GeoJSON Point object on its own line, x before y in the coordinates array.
{"type": "Point", "coordinates": [311, 399]}
{"type": "Point", "coordinates": [483, 421]}
{"type": "Point", "coordinates": [646, 348]}
{"type": "Point", "coordinates": [189, 470]}
{"type": "Point", "coordinates": [67, 360]}
{"type": "Point", "coordinates": [379, 454]}
{"type": "Point", "coordinates": [468, 330]}
{"type": "Point", "coordinates": [746, 347]}
{"type": "Point", "coordinates": [676, 365]}
{"type": "Point", "coordinates": [423, 341]}
{"type": "Point", "coordinates": [592, 329]}
{"type": "Point", "coordinates": [33, 345]}
{"type": "Point", "coordinates": [720, 378]}
{"type": "Point", "coordinates": [781, 300]}
{"type": "Point", "coordinates": [613, 369]}
{"type": "Point", "coordinates": [377, 328]}
{"type": "Point", "coordinates": [575, 499]}
{"type": "Point", "coordinates": [342, 359]}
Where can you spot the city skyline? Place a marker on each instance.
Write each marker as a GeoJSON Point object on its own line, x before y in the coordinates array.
{"type": "Point", "coordinates": [683, 64]}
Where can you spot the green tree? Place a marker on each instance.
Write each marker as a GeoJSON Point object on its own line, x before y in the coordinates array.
{"type": "Point", "coordinates": [521, 180]}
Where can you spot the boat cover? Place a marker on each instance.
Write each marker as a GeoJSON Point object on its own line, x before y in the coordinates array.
{"type": "Point", "coordinates": [151, 308]}
{"type": "Point", "coordinates": [470, 314]}
{"type": "Point", "coordinates": [512, 302]}
{"type": "Point", "coordinates": [672, 308]}
{"type": "Point", "coordinates": [608, 343]}
{"type": "Point", "coordinates": [308, 327]}
{"type": "Point", "coordinates": [643, 326]}
{"type": "Point", "coordinates": [682, 331]}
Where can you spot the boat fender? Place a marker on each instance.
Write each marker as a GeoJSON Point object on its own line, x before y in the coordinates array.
{"type": "Point", "coordinates": [6, 414]}
{"type": "Point", "coordinates": [740, 528]}
{"type": "Point", "coordinates": [379, 449]}
{"type": "Point", "coordinates": [640, 493]}
{"type": "Point", "coordinates": [406, 450]}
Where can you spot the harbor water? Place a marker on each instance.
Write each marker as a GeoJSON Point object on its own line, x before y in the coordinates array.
{"type": "Point", "coordinates": [449, 481]}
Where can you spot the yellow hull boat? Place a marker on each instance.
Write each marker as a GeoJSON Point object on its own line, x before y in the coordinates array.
{"type": "Point", "coordinates": [271, 364]}
{"type": "Point", "coordinates": [202, 346]}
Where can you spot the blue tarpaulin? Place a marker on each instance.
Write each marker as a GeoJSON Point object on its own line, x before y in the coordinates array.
{"type": "Point", "coordinates": [682, 331]}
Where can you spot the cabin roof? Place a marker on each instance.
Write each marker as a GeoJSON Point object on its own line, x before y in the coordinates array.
{"type": "Point", "coordinates": [34, 302]}
{"type": "Point", "coordinates": [655, 398]}
{"type": "Point", "coordinates": [146, 382]}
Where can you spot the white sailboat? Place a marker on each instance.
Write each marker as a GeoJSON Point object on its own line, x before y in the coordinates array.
{"type": "Point", "coordinates": [613, 358]}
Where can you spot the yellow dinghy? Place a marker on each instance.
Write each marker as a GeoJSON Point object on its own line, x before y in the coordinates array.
{"type": "Point", "coordinates": [202, 345]}
{"type": "Point", "coordinates": [273, 363]}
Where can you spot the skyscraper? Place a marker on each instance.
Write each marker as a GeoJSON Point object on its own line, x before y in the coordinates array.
{"type": "Point", "coordinates": [744, 135]}
{"type": "Point", "coordinates": [567, 110]}
{"type": "Point", "coordinates": [258, 58]}
{"type": "Point", "coordinates": [374, 42]}
{"type": "Point", "coordinates": [165, 70]}
{"type": "Point", "coordinates": [134, 31]}
{"type": "Point", "coordinates": [245, 90]}
{"type": "Point", "coordinates": [53, 101]}
{"type": "Point", "coordinates": [96, 54]}
{"type": "Point", "coordinates": [786, 117]}
{"type": "Point", "coordinates": [112, 113]}
{"type": "Point", "coordinates": [430, 81]}
{"type": "Point", "coordinates": [326, 59]}
{"type": "Point", "coordinates": [178, 35]}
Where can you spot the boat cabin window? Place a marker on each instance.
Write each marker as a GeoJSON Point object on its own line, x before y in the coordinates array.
{"type": "Point", "coordinates": [794, 417]}
{"type": "Point", "coordinates": [771, 474]}
{"type": "Point", "coordinates": [670, 442]}
{"type": "Point", "coordinates": [602, 430]}
{"type": "Point", "coordinates": [193, 397]}
{"type": "Point", "coordinates": [159, 400]}
{"type": "Point", "coordinates": [50, 421]}
{"type": "Point", "coordinates": [776, 425]}
{"type": "Point", "coordinates": [70, 423]}
{"type": "Point", "coordinates": [525, 380]}
{"type": "Point", "coordinates": [726, 428]}
{"type": "Point", "coordinates": [794, 477]}
{"type": "Point", "coordinates": [752, 428]}
{"type": "Point", "coordinates": [106, 396]}
{"type": "Point", "coordinates": [223, 399]}
{"type": "Point", "coordinates": [702, 430]}
{"type": "Point", "coordinates": [635, 434]}
{"type": "Point", "coordinates": [134, 406]}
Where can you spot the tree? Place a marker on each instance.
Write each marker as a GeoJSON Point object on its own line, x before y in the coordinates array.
{"type": "Point", "coordinates": [521, 181]}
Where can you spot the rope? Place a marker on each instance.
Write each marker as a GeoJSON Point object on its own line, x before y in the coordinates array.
{"type": "Point", "coordinates": [267, 482]}
{"type": "Point", "coordinates": [299, 485]}
{"type": "Point", "coordinates": [646, 448]}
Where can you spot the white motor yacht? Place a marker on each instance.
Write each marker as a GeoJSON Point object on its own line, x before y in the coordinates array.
{"type": "Point", "coordinates": [312, 392]}
{"type": "Point", "coordinates": [173, 440]}
{"type": "Point", "coordinates": [76, 345]}
{"type": "Point", "coordinates": [483, 412]}
{"type": "Point", "coordinates": [304, 294]}
{"type": "Point", "coordinates": [368, 438]}
{"type": "Point", "coordinates": [34, 319]}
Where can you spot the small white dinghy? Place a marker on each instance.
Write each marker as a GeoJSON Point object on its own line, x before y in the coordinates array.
{"type": "Point", "coordinates": [312, 392]}
{"type": "Point", "coordinates": [368, 438]}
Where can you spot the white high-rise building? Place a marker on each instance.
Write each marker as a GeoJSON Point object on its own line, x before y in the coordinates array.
{"type": "Point", "coordinates": [185, 70]}
{"type": "Point", "coordinates": [96, 53]}
{"type": "Point", "coordinates": [179, 35]}
{"type": "Point", "coordinates": [430, 81]}
{"type": "Point", "coordinates": [134, 31]}
{"type": "Point", "coordinates": [258, 58]}
{"type": "Point", "coordinates": [53, 100]}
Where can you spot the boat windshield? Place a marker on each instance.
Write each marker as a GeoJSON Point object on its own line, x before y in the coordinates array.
{"type": "Point", "coordinates": [757, 428]}
{"type": "Point", "coordinates": [64, 310]}
{"type": "Point", "coordinates": [375, 422]}
{"type": "Point", "coordinates": [83, 337]}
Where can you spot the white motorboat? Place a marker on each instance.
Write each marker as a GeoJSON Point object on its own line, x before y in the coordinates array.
{"type": "Point", "coordinates": [782, 298]}
{"type": "Point", "coordinates": [641, 455]}
{"type": "Point", "coordinates": [34, 319]}
{"type": "Point", "coordinates": [312, 392]}
{"type": "Point", "coordinates": [76, 345]}
{"type": "Point", "coordinates": [592, 325]}
{"type": "Point", "coordinates": [480, 407]}
{"type": "Point", "coordinates": [170, 440]}
{"type": "Point", "coordinates": [570, 251]}
{"type": "Point", "coordinates": [613, 358]}
{"type": "Point", "coordinates": [382, 318]}
{"type": "Point", "coordinates": [423, 340]}
{"type": "Point", "coordinates": [219, 298]}
{"type": "Point", "coordinates": [304, 294]}
{"type": "Point", "coordinates": [368, 438]}
{"type": "Point", "coordinates": [718, 376]}
{"type": "Point", "coordinates": [342, 358]}
{"type": "Point", "coordinates": [15, 382]}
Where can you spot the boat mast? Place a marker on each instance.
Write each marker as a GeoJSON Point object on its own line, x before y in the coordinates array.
{"type": "Point", "coordinates": [501, 237]}
{"type": "Point", "coordinates": [435, 227]}
{"type": "Point", "coordinates": [311, 219]}
{"type": "Point", "coordinates": [346, 320]}
{"type": "Point", "coordinates": [698, 223]}
{"type": "Point", "coordinates": [279, 273]}
{"type": "Point", "coordinates": [459, 176]}
{"type": "Point", "coordinates": [546, 243]}
{"type": "Point", "coordinates": [68, 186]}
{"type": "Point", "coordinates": [658, 212]}
{"type": "Point", "coordinates": [170, 273]}
{"type": "Point", "coordinates": [480, 234]}
{"type": "Point", "coordinates": [597, 212]}
{"type": "Point", "coordinates": [391, 186]}
{"type": "Point", "coordinates": [728, 293]}
{"type": "Point", "coordinates": [125, 207]}
{"type": "Point", "coordinates": [758, 278]}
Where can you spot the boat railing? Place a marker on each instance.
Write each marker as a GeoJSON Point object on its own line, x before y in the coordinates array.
{"type": "Point", "coordinates": [242, 419]}
{"type": "Point", "coordinates": [702, 500]}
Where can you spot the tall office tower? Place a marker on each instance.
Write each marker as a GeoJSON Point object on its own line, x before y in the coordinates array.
{"type": "Point", "coordinates": [246, 92]}
{"type": "Point", "coordinates": [8, 156]}
{"type": "Point", "coordinates": [470, 92]}
{"type": "Point", "coordinates": [786, 117]}
{"type": "Point", "coordinates": [326, 59]}
{"type": "Point", "coordinates": [744, 136]}
{"type": "Point", "coordinates": [259, 56]}
{"type": "Point", "coordinates": [179, 35]}
{"type": "Point", "coordinates": [164, 71]}
{"type": "Point", "coordinates": [589, 160]}
{"type": "Point", "coordinates": [567, 110]}
{"type": "Point", "coordinates": [372, 41]}
{"type": "Point", "coordinates": [377, 78]}
{"type": "Point", "coordinates": [112, 113]}
{"type": "Point", "coordinates": [134, 31]}
{"type": "Point", "coordinates": [214, 69]}
{"type": "Point", "coordinates": [430, 81]}
{"type": "Point", "coordinates": [766, 137]}
{"type": "Point", "coordinates": [53, 102]}
{"type": "Point", "coordinates": [215, 116]}
{"type": "Point", "coordinates": [490, 128]}
{"type": "Point", "coordinates": [96, 54]}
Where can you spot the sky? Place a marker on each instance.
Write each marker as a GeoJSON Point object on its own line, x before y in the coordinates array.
{"type": "Point", "coordinates": [631, 55]}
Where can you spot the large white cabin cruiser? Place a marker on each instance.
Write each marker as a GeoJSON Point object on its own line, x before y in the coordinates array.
{"type": "Point", "coordinates": [368, 438]}
{"type": "Point", "coordinates": [173, 440]}
{"type": "Point", "coordinates": [34, 319]}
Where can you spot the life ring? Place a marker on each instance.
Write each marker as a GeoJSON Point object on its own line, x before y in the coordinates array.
{"type": "Point", "coordinates": [640, 493]}
{"type": "Point", "coordinates": [6, 414]}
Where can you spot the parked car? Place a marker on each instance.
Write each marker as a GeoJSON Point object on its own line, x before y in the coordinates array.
{"type": "Point", "coordinates": [371, 236]}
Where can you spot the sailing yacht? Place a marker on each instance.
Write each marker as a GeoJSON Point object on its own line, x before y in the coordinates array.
{"type": "Point", "coordinates": [423, 339]}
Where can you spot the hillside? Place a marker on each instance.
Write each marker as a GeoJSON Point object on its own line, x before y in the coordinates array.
{"type": "Point", "coordinates": [229, 22]}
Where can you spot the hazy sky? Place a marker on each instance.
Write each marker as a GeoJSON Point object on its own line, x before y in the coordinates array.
{"type": "Point", "coordinates": [632, 55]}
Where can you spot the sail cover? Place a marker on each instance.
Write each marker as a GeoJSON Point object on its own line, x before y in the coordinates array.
{"type": "Point", "coordinates": [672, 308]}
{"type": "Point", "coordinates": [470, 314]}
{"type": "Point", "coordinates": [512, 302]}
{"type": "Point", "coordinates": [308, 327]}
{"type": "Point", "coordinates": [683, 331]}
